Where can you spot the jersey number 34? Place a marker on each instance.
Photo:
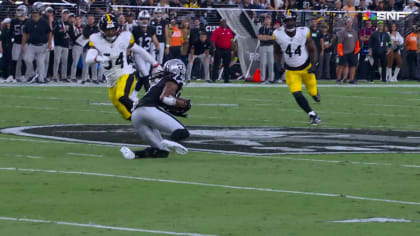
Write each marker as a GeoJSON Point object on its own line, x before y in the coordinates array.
{"type": "Point", "coordinates": [290, 53]}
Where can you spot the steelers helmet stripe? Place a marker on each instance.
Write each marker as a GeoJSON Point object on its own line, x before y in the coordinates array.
{"type": "Point", "coordinates": [109, 19]}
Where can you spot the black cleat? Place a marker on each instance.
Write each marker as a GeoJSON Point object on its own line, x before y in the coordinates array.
{"type": "Point", "coordinates": [314, 119]}
{"type": "Point", "coordinates": [151, 152]}
{"type": "Point", "coordinates": [317, 98]}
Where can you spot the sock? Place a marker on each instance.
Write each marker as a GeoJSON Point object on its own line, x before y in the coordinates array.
{"type": "Point", "coordinates": [388, 74]}
{"type": "Point", "coordinates": [397, 70]}
{"type": "Point", "coordinates": [302, 102]}
{"type": "Point", "coordinates": [312, 113]}
{"type": "Point", "coordinates": [380, 73]}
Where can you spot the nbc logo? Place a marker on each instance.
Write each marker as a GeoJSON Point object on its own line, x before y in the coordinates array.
{"type": "Point", "coordinates": [384, 15]}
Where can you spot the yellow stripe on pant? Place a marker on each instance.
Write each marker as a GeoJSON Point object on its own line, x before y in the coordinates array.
{"type": "Point", "coordinates": [119, 95]}
{"type": "Point", "coordinates": [294, 80]}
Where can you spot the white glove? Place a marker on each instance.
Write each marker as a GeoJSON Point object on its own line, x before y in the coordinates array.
{"type": "Point", "coordinates": [157, 68]}
{"type": "Point", "coordinates": [102, 59]}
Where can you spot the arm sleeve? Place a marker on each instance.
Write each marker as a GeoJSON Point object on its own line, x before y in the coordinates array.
{"type": "Point", "coordinates": [91, 55]}
{"type": "Point", "coordinates": [213, 36]}
{"type": "Point", "coordinates": [144, 54]}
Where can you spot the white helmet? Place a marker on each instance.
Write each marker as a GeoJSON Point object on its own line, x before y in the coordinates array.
{"type": "Point", "coordinates": [22, 10]}
{"type": "Point", "coordinates": [158, 10]}
{"type": "Point", "coordinates": [177, 68]}
{"type": "Point", "coordinates": [144, 15]}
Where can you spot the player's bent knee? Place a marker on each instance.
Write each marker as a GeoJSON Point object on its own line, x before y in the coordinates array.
{"type": "Point", "coordinates": [180, 134]}
{"type": "Point", "coordinates": [297, 94]}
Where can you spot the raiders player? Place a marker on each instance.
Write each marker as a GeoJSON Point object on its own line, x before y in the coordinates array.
{"type": "Point", "coordinates": [161, 26]}
{"type": "Point", "coordinates": [149, 119]}
{"type": "Point", "coordinates": [109, 48]}
{"type": "Point", "coordinates": [300, 57]}
{"type": "Point", "coordinates": [16, 27]}
{"type": "Point", "coordinates": [144, 36]}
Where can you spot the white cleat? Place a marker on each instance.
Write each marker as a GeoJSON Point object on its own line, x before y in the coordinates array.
{"type": "Point", "coordinates": [127, 153]}
{"type": "Point", "coordinates": [178, 148]}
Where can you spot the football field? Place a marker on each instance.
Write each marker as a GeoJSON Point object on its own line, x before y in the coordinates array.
{"type": "Point", "coordinates": [255, 166]}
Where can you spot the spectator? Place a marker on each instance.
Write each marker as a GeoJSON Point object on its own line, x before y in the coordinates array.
{"type": "Point", "coordinates": [88, 30]}
{"type": "Point", "coordinates": [6, 50]}
{"type": "Point", "coordinates": [411, 43]}
{"type": "Point", "coordinates": [265, 35]}
{"type": "Point", "coordinates": [327, 41]}
{"type": "Point", "coordinates": [200, 49]}
{"type": "Point", "coordinates": [316, 36]}
{"type": "Point", "coordinates": [38, 36]}
{"type": "Point", "coordinates": [17, 25]}
{"type": "Point", "coordinates": [395, 55]}
{"type": "Point", "coordinates": [48, 15]}
{"type": "Point", "coordinates": [247, 4]}
{"type": "Point", "coordinates": [175, 3]}
{"type": "Point", "coordinates": [379, 47]}
{"type": "Point", "coordinates": [149, 3]}
{"type": "Point", "coordinates": [192, 3]}
{"type": "Point", "coordinates": [174, 41]}
{"type": "Point", "coordinates": [411, 7]}
{"type": "Point", "coordinates": [130, 22]}
{"type": "Point", "coordinates": [222, 39]}
{"type": "Point", "coordinates": [348, 48]}
{"type": "Point", "coordinates": [62, 43]}
{"type": "Point", "coordinates": [75, 33]}
{"type": "Point", "coordinates": [185, 29]}
{"type": "Point", "coordinates": [365, 68]}
{"type": "Point", "coordinates": [98, 7]}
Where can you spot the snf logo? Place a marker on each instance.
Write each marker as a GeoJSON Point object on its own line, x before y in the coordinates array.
{"type": "Point", "coordinates": [384, 15]}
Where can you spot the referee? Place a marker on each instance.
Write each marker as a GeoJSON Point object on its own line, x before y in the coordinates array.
{"type": "Point", "coordinates": [38, 37]}
{"type": "Point", "coordinates": [222, 39]}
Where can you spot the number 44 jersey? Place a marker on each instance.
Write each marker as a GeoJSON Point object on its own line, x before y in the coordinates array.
{"type": "Point", "coordinates": [294, 48]}
{"type": "Point", "coordinates": [117, 52]}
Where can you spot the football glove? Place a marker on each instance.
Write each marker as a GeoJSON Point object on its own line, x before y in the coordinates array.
{"type": "Point", "coordinates": [313, 68]}
{"type": "Point", "coordinates": [178, 111]}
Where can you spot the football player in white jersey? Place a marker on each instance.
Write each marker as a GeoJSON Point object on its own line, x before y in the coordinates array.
{"type": "Point", "coordinates": [110, 47]}
{"type": "Point", "coordinates": [300, 57]}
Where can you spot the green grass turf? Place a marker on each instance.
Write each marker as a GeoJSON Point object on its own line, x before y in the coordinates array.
{"type": "Point", "coordinates": [205, 209]}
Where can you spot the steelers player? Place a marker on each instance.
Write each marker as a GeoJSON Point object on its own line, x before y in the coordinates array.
{"type": "Point", "coordinates": [109, 47]}
{"type": "Point", "coordinates": [300, 57]}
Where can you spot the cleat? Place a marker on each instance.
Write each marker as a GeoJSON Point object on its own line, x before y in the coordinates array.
{"type": "Point", "coordinates": [151, 152]}
{"type": "Point", "coordinates": [178, 148]}
{"type": "Point", "coordinates": [314, 119]}
{"type": "Point", "coordinates": [317, 98]}
{"type": "Point", "coordinates": [339, 81]}
{"type": "Point", "coordinates": [33, 79]}
{"type": "Point", "coordinates": [65, 81]}
{"type": "Point", "coordinates": [127, 153]}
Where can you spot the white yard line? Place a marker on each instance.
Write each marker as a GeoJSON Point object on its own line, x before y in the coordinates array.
{"type": "Point", "coordinates": [375, 219]}
{"type": "Point", "coordinates": [45, 108]}
{"type": "Point", "coordinates": [90, 225]}
{"type": "Point", "coordinates": [211, 185]}
{"type": "Point", "coordinates": [23, 155]}
{"type": "Point", "coordinates": [83, 154]}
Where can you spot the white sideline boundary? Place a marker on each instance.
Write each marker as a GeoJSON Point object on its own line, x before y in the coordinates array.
{"type": "Point", "coordinates": [83, 154]}
{"type": "Point", "coordinates": [90, 225]}
{"type": "Point", "coordinates": [221, 85]}
{"type": "Point", "coordinates": [211, 185]}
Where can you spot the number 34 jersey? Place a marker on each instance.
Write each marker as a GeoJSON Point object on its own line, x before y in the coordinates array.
{"type": "Point", "coordinates": [117, 51]}
{"type": "Point", "coordinates": [294, 48]}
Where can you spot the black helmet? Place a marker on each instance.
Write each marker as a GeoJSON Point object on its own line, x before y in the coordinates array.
{"type": "Point", "coordinates": [108, 21]}
{"type": "Point", "coordinates": [290, 21]}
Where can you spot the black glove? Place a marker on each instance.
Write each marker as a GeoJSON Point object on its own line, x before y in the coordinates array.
{"type": "Point", "coordinates": [178, 111]}
{"type": "Point", "coordinates": [313, 68]}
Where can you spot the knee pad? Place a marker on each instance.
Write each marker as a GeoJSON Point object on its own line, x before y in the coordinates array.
{"type": "Point", "coordinates": [179, 134]}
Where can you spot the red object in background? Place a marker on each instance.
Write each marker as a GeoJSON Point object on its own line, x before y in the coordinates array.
{"type": "Point", "coordinates": [257, 76]}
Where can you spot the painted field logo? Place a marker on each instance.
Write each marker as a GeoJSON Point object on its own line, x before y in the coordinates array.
{"type": "Point", "coordinates": [241, 140]}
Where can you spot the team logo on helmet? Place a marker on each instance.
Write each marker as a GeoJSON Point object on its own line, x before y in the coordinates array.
{"type": "Point", "coordinates": [107, 22]}
{"type": "Point", "coordinates": [177, 68]}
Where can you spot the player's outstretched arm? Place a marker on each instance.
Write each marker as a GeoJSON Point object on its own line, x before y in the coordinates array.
{"type": "Point", "coordinates": [143, 53]}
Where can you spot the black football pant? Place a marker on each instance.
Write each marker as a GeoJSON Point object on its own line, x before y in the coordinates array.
{"type": "Point", "coordinates": [225, 55]}
{"type": "Point", "coordinates": [412, 64]}
{"type": "Point", "coordinates": [380, 60]}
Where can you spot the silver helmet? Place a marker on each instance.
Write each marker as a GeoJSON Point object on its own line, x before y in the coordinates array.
{"type": "Point", "coordinates": [177, 68]}
{"type": "Point", "coordinates": [38, 7]}
{"type": "Point", "coordinates": [158, 10]}
{"type": "Point", "coordinates": [142, 17]}
{"type": "Point", "coordinates": [22, 10]}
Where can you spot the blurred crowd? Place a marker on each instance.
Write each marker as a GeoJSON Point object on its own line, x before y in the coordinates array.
{"type": "Point", "coordinates": [70, 26]}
